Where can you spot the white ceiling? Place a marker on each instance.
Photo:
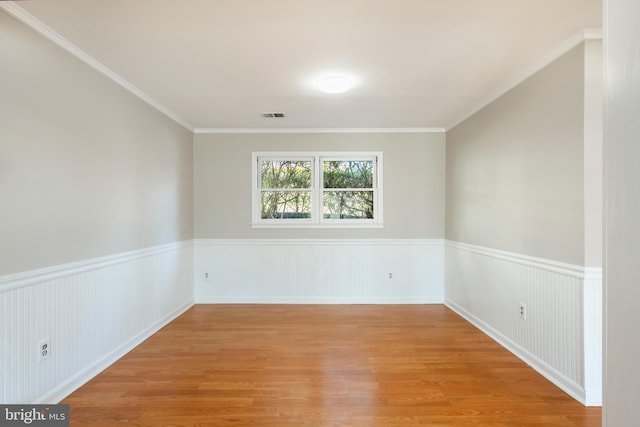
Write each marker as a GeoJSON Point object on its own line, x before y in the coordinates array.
{"type": "Point", "coordinates": [221, 63]}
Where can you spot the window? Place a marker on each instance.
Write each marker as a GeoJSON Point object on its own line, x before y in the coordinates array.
{"type": "Point", "coordinates": [307, 189]}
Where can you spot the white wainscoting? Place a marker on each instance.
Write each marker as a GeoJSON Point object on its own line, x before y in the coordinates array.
{"type": "Point", "coordinates": [319, 271]}
{"type": "Point", "coordinates": [562, 335]}
{"type": "Point", "coordinates": [593, 345]}
{"type": "Point", "coordinates": [93, 312]}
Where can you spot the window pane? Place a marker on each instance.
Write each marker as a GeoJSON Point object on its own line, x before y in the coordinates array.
{"type": "Point", "coordinates": [348, 204]}
{"type": "Point", "coordinates": [285, 174]}
{"type": "Point", "coordinates": [286, 204]}
{"type": "Point", "coordinates": [348, 173]}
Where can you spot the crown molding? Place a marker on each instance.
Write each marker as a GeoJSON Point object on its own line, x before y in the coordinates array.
{"type": "Point", "coordinates": [43, 29]}
{"type": "Point", "coordinates": [564, 47]}
{"type": "Point", "coordinates": [317, 130]}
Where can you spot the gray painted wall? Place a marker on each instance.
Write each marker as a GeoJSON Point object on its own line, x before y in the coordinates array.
{"type": "Point", "coordinates": [593, 175]}
{"type": "Point", "coordinates": [86, 168]}
{"type": "Point", "coordinates": [622, 213]}
{"type": "Point", "coordinates": [413, 183]}
{"type": "Point", "coordinates": [515, 168]}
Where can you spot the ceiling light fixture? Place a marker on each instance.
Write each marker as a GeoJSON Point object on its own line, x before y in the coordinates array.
{"type": "Point", "coordinates": [334, 84]}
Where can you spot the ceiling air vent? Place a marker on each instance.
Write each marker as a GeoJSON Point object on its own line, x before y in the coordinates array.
{"type": "Point", "coordinates": [273, 115]}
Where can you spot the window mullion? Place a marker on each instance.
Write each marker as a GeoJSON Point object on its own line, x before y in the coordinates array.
{"type": "Point", "coordinates": [317, 190]}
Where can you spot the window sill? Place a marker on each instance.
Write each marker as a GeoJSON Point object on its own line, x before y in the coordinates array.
{"type": "Point", "coordinates": [316, 225]}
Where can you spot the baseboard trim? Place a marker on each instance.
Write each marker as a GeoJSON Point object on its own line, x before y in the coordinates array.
{"type": "Point", "coordinates": [567, 385]}
{"type": "Point", "coordinates": [593, 397]}
{"type": "Point", "coordinates": [319, 242]}
{"type": "Point", "coordinates": [337, 301]}
{"type": "Point", "coordinates": [65, 389]}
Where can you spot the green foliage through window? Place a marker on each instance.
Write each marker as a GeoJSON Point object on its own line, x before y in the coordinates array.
{"type": "Point", "coordinates": [278, 178]}
{"type": "Point", "coordinates": [286, 174]}
{"type": "Point", "coordinates": [347, 173]}
{"type": "Point", "coordinates": [348, 204]}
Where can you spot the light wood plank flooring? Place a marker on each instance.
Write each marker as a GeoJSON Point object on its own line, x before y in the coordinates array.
{"type": "Point", "coordinates": [323, 365]}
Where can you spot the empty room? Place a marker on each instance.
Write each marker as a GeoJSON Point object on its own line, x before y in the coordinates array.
{"type": "Point", "coordinates": [319, 213]}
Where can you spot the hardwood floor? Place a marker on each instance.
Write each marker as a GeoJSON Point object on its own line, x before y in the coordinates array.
{"type": "Point", "coordinates": [323, 365]}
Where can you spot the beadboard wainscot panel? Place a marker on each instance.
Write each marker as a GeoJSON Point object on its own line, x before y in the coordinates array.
{"type": "Point", "coordinates": [486, 286]}
{"type": "Point", "coordinates": [319, 271]}
{"type": "Point", "coordinates": [93, 312]}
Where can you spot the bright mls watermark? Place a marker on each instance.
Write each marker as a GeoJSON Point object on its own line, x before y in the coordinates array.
{"type": "Point", "coordinates": [34, 415]}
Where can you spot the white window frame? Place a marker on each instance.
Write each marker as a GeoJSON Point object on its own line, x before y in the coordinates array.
{"type": "Point", "coordinates": [317, 219]}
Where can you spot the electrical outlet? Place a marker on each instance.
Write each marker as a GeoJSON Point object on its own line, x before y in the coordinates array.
{"type": "Point", "coordinates": [206, 276]}
{"type": "Point", "coordinates": [523, 311]}
{"type": "Point", "coordinates": [44, 349]}
{"type": "Point", "coordinates": [390, 276]}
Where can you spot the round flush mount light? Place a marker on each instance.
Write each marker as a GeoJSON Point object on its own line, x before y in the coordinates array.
{"type": "Point", "coordinates": [334, 84]}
